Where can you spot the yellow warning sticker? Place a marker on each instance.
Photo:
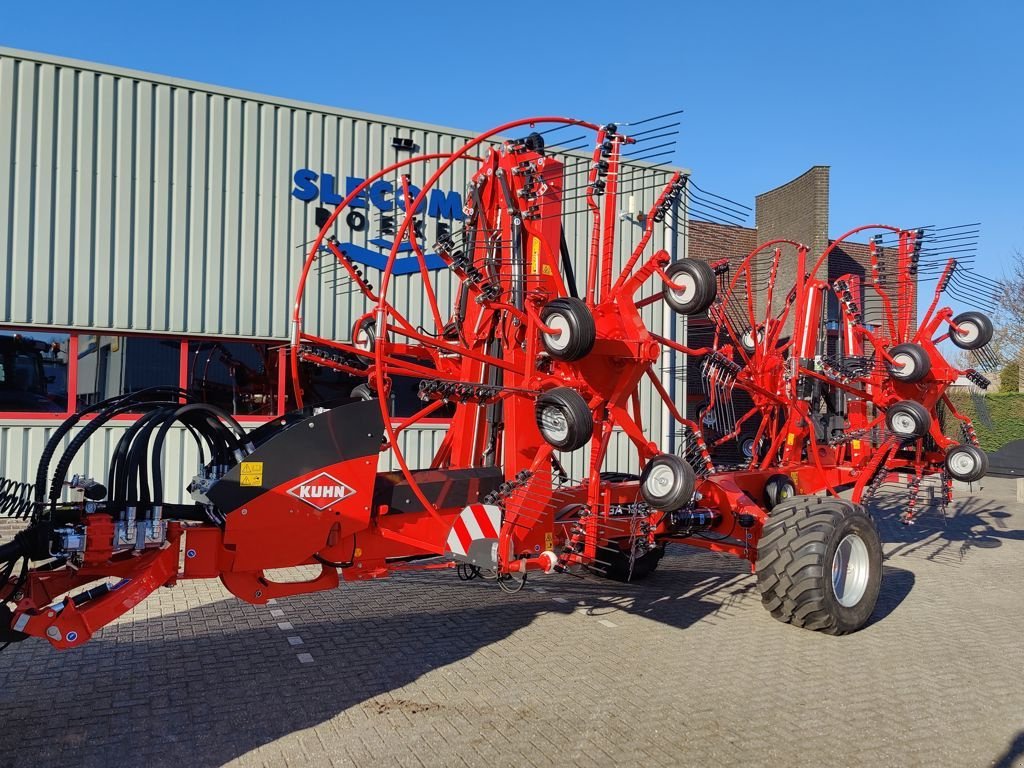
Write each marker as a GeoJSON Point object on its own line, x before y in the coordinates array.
{"type": "Point", "coordinates": [856, 445]}
{"type": "Point", "coordinates": [549, 541]}
{"type": "Point", "coordinates": [252, 473]}
{"type": "Point", "coordinates": [790, 438]}
{"type": "Point", "coordinates": [535, 255]}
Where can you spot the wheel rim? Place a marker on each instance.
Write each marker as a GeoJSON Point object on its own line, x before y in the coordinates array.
{"type": "Point", "coordinates": [969, 331]}
{"type": "Point", "coordinates": [554, 424]}
{"type": "Point", "coordinates": [747, 448]}
{"type": "Point", "coordinates": [905, 366]}
{"type": "Point", "coordinates": [559, 342]}
{"type": "Point", "coordinates": [659, 482]}
{"type": "Point", "coordinates": [689, 291]}
{"type": "Point", "coordinates": [851, 567]}
{"type": "Point", "coordinates": [963, 462]}
{"type": "Point", "coordinates": [904, 424]}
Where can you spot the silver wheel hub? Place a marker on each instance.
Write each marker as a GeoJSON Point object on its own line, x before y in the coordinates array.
{"type": "Point", "coordinates": [904, 424]}
{"type": "Point", "coordinates": [557, 341]}
{"type": "Point", "coordinates": [659, 482]}
{"type": "Point", "coordinates": [851, 568]}
{"type": "Point", "coordinates": [685, 295]}
{"type": "Point", "coordinates": [554, 424]}
{"type": "Point", "coordinates": [969, 331]}
{"type": "Point", "coordinates": [905, 366]}
{"type": "Point", "coordinates": [963, 462]}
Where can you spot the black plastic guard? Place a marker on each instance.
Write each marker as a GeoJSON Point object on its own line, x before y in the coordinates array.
{"type": "Point", "coordinates": [345, 432]}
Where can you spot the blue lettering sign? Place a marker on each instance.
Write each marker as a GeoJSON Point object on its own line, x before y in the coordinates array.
{"type": "Point", "coordinates": [381, 195]}
{"type": "Point", "coordinates": [359, 201]}
{"type": "Point", "coordinates": [379, 191]}
{"type": "Point", "coordinates": [385, 198]}
{"type": "Point", "coordinates": [445, 205]}
{"type": "Point", "coordinates": [327, 194]}
{"type": "Point", "coordinates": [305, 185]}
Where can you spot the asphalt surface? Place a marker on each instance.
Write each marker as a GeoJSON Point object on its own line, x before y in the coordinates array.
{"type": "Point", "coordinates": [683, 669]}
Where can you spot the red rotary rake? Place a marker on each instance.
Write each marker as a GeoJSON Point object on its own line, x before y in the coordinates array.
{"type": "Point", "coordinates": [528, 367]}
{"type": "Point", "coordinates": [857, 401]}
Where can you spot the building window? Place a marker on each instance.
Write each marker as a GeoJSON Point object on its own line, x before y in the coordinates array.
{"type": "Point", "coordinates": [39, 369]}
{"type": "Point", "coordinates": [34, 372]}
{"type": "Point", "coordinates": [326, 387]}
{"type": "Point", "coordinates": [109, 366]}
{"type": "Point", "coordinates": [239, 376]}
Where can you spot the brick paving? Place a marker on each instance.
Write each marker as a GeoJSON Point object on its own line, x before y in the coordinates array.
{"type": "Point", "coordinates": [684, 669]}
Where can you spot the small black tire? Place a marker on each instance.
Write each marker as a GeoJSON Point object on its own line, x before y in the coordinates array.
{"type": "Point", "coordinates": [908, 419]}
{"type": "Point", "coordinates": [819, 564]}
{"type": "Point", "coordinates": [778, 489]}
{"type": "Point", "coordinates": [913, 361]}
{"type": "Point", "coordinates": [667, 482]}
{"type": "Point", "coordinates": [364, 334]}
{"type": "Point", "coordinates": [614, 563]}
{"type": "Point", "coordinates": [574, 320]}
{"type": "Point", "coordinates": [363, 392]}
{"type": "Point", "coordinates": [700, 283]}
{"type": "Point", "coordinates": [966, 463]}
{"type": "Point", "coordinates": [563, 418]}
{"type": "Point", "coordinates": [706, 418]}
{"type": "Point", "coordinates": [975, 330]}
{"type": "Point", "coordinates": [747, 442]}
{"type": "Point", "coordinates": [749, 341]}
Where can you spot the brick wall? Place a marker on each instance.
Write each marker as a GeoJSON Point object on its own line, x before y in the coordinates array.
{"type": "Point", "coordinates": [713, 242]}
{"type": "Point", "coordinates": [797, 210]}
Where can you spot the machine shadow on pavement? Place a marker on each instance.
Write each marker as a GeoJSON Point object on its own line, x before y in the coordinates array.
{"type": "Point", "coordinates": [969, 523]}
{"type": "Point", "coordinates": [221, 680]}
{"type": "Point", "coordinates": [210, 684]}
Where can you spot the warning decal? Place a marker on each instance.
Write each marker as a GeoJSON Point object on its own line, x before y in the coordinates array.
{"type": "Point", "coordinates": [252, 473]}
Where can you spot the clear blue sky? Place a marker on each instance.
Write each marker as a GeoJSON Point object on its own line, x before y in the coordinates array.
{"type": "Point", "coordinates": [917, 106]}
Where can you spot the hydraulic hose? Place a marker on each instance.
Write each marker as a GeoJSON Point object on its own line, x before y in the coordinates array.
{"type": "Point", "coordinates": [68, 424]}
{"type": "Point", "coordinates": [220, 419]}
{"type": "Point", "coordinates": [118, 476]}
{"type": "Point", "coordinates": [87, 431]}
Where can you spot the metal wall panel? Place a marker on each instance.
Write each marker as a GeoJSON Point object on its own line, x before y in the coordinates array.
{"type": "Point", "coordinates": [133, 202]}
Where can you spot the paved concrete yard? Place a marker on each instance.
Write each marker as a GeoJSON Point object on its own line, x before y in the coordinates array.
{"type": "Point", "coordinates": [684, 669]}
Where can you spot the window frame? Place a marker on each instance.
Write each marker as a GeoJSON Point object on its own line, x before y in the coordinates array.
{"type": "Point", "coordinates": [281, 394]}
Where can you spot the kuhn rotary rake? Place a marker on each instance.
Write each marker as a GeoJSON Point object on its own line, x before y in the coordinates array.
{"type": "Point", "coordinates": [846, 388]}
{"type": "Point", "coordinates": [528, 367]}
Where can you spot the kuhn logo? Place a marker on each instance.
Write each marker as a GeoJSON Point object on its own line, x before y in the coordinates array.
{"type": "Point", "coordinates": [321, 491]}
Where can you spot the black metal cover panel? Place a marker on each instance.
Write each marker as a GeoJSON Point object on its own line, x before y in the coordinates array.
{"type": "Point", "coordinates": [447, 488]}
{"type": "Point", "coordinates": [346, 432]}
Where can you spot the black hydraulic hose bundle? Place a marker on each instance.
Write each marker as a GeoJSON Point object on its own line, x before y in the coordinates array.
{"type": "Point", "coordinates": [100, 408]}
{"type": "Point", "coordinates": [60, 473]}
{"type": "Point", "coordinates": [134, 475]}
{"type": "Point", "coordinates": [215, 419]}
